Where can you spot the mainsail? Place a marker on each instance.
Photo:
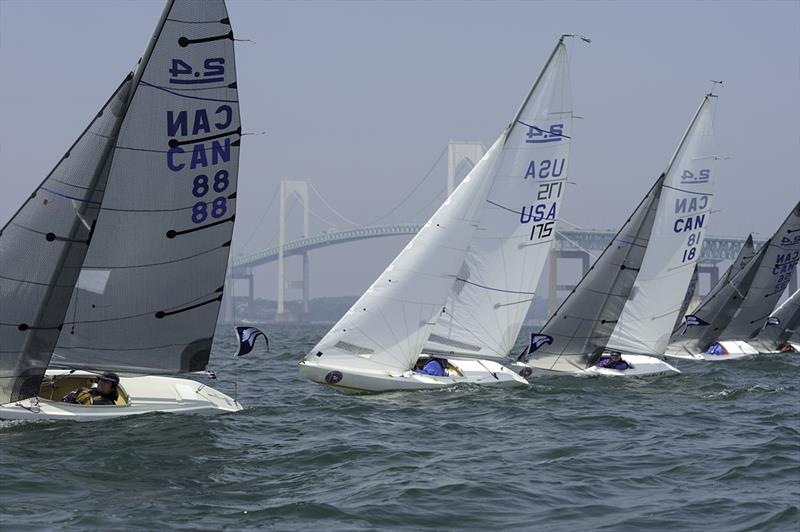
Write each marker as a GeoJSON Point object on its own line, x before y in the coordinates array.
{"type": "Point", "coordinates": [773, 276]}
{"type": "Point", "coordinates": [782, 325]}
{"type": "Point", "coordinates": [581, 327]}
{"type": "Point", "coordinates": [675, 242]}
{"type": "Point", "coordinates": [154, 274]}
{"type": "Point", "coordinates": [495, 285]}
{"type": "Point", "coordinates": [42, 249]}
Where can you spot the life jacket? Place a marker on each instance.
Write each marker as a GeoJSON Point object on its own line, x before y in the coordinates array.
{"type": "Point", "coordinates": [609, 364]}
{"type": "Point", "coordinates": [87, 396]}
{"type": "Point", "coordinates": [434, 367]}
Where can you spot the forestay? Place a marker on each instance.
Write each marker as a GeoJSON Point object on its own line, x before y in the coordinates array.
{"type": "Point", "coordinates": [495, 285]}
{"type": "Point", "coordinates": [583, 324]}
{"type": "Point", "coordinates": [42, 249]}
{"type": "Point", "coordinates": [773, 276]}
{"type": "Point", "coordinates": [152, 281]}
{"type": "Point", "coordinates": [388, 325]}
{"type": "Point", "coordinates": [683, 215]}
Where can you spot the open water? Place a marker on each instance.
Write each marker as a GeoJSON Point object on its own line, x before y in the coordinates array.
{"type": "Point", "coordinates": [717, 448]}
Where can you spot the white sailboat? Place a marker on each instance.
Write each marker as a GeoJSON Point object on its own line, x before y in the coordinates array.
{"type": "Point", "coordinates": [117, 261]}
{"type": "Point", "coordinates": [721, 329]}
{"type": "Point", "coordinates": [505, 209]}
{"type": "Point", "coordinates": [630, 298]}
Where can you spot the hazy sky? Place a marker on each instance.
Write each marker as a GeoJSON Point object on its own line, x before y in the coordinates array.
{"type": "Point", "coordinates": [361, 98]}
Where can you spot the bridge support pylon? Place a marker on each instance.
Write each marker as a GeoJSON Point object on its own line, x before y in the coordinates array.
{"type": "Point", "coordinates": [461, 157]}
{"type": "Point", "coordinates": [299, 189]}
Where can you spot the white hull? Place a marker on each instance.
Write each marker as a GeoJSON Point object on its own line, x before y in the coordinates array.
{"type": "Point", "coordinates": [145, 394]}
{"type": "Point", "coordinates": [480, 372]}
{"type": "Point", "coordinates": [640, 366]}
{"type": "Point", "coordinates": [734, 349]}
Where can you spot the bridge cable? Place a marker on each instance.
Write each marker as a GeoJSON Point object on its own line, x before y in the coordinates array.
{"type": "Point", "coordinates": [261, 220]}
{"type": "Point", "coordinates": [416, 187]}
{"type": "Point", "coordinates": [328, 205]}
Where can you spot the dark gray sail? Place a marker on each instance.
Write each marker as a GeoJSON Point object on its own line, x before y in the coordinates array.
{"type": "Point", "coordinates": [773, 276]}
{"type": "Point", "coordinates": [706, 323]}
{"type": "Point", "coordinates": [782, 326]}
{"type": "Point", "coordinates": [42, 250]}
{"type": "Point", "coordinates": [583, 324]}
{"type": "Point", "coordinates": [687, 299]}
{"type": "Point", "coordinates": [156, 268]}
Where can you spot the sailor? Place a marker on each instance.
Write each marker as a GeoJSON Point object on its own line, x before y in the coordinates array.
{"type": "Point", "coordinates": [104, 392]}
{"type": "Point", "coordinates": [613, 362]}
{"type": "Point", "coordinates": [786, 347]}
{"type": "Point", "coordinates": [436, 367]}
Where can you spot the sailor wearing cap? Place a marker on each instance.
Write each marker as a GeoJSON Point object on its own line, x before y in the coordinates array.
{"type": "Point", "coordinates": [104, 392]}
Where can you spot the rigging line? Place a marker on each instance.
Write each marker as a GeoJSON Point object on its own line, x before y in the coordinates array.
{"type": "Point", "coordinates": [334, 211]}
{"type": "Point", "coordinates": [471, 332]}
{"type": "Point", "coordinates": [416, 187]}
{"type": "Point", "coordinates": [568, 239]}
{"type": "Point", "coordinates": [190, 97]}
{"type": "Point", "coordinates": [261, 220]}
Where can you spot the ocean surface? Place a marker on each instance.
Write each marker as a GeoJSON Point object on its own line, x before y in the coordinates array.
{"type": "Point", "coordinates": [716, 448]}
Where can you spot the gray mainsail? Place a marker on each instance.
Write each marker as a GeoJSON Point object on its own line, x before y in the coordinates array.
{"type": "Point", "coordinates": [155, 271]}
{"type": "Point", "coordinates": [782, 325]}
{"type": "Point", "coordinates": [776, 269]}
{"type": "Point", "coordinates": [583, 324]}
{"type": "Point", "coordinates": [42, 249]}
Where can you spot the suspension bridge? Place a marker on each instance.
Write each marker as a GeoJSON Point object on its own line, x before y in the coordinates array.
{"type": "Point", "coordinates": [570, 244]}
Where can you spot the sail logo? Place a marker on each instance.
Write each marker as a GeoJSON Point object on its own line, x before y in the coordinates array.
{"type": "Point", "coordinates": [182, 73]}
{"type": "Point", "coordinates": [537, 135]}
{"type": "Point", "coordinates": [690, 178]}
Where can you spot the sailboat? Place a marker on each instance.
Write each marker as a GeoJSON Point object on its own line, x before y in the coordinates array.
{"type": "Point", "coordinates": [116, 262]}
{"type": "Point", "coordinates": [721, 327]}
{"type": "Point", "coordinates": [781, 331]}
{"type": "Point", "coordinates": [505, 209]}
{"type": "Point", "coordinates": [630, 298]}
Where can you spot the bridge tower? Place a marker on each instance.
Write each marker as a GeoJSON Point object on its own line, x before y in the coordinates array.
{"type": "Point", "coordinates": [299, 189]}
{"type": "Point", "coordinates": [461, 157]}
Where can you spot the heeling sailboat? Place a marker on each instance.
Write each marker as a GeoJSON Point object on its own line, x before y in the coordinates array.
{"type": "Point", "coordinates": [745, 303]}
{"type": "Point", "coordinates": [378, 343]}
{"type": "Point", "coordinates": [117, 261]}
{"type": "Point", "coordinates": [630, 297]}
{"type": "Point", "coordinates": [781, 331]}
{"type": "Point", "coordinates": [495, 286]}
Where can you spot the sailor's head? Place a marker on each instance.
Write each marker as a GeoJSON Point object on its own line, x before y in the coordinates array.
{"type": "Point", "coordinates": [107, 382]}
{"type": "Point", "coordinates": [616, 356]}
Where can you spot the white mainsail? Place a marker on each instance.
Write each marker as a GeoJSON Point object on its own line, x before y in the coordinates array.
{"type": "Point", "coordinates": [495, 285]}
{"type": "Point", "coordinates": [677, 237]}
{"type": "Point", "coordinates": [388, 325]}
{"type": "Point", "coordinates": [163, 234]}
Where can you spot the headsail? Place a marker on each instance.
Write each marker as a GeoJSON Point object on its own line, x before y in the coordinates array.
{"type": "Point", "coordinates": [675, 243]}
{"type": "Point", "coordinates": [782, 325]}
{"type": "Point", "coordinates": [691, 290]}
{"type": "Point", "coordinates": [774, 272]}
{"type": "Point", "coordinates": [388, 325]}
{"type": "Point", "coordinates": [495, 286]}
{"type": "Point", "coordinates": [42, 249]}
{"type": "Point", "coordinates": [583, 324]}
{"type": "Point", "coordinates": [156, 268]}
